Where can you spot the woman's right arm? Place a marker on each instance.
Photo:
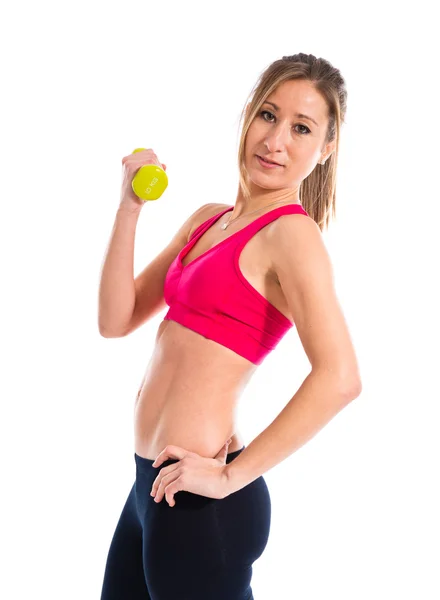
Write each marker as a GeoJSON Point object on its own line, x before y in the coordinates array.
{"type": "Point", "coordinates": [117, 293]}
{"type": "Point", "coordinates": [117, 290]}
{"type": "Point", "coordinates": [126, 303]}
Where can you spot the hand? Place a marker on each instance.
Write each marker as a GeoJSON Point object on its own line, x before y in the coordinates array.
{"type": "Point", "coordinates": [192, 473]}
{"type": "Point", "coordinates": [131, 165]}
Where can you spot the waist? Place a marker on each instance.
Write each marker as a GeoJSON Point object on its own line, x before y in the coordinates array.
{"type": "Point", "coordinates": [145, 465]}
{"type": "Point", "coordinates": [191, 425]}
{"type": "Point", "coordinates": [198, 416]}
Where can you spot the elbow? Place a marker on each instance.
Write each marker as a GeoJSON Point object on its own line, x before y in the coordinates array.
{"type": "Point", "coordinates": [351, 389]}
{"type": "Point", "coordinates": [347, 385]}
{"type": "Point", "coordinates": [349, 380]}
{"type": "Point", "coordinates": [103, 333]}
{"type": "Point", "coordinates": [109, 328]}
{"type": "Point", "coordinates": [107, 333]}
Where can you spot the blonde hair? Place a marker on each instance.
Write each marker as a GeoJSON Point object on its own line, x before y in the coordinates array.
{"type": "Point", "coordinates": [318, 189]}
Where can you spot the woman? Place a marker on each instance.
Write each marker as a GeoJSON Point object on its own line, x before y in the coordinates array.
{"type": "Point", "coordinates": [236, 278]}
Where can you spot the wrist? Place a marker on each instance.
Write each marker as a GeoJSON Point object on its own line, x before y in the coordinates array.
{"type": "Point", "coordinates": [229, 485]}
{"type": "Point", "coordinates": [129, 211]}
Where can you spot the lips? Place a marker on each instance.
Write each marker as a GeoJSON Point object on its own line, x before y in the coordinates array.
{"type": "Point", "coordinates": [269, 161]}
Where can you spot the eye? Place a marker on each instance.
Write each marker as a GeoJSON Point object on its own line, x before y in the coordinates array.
{"type": "Point", "coordinates": [263, 112]}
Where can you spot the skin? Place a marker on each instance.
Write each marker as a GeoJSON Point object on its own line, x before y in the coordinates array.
{"type": "Point", "coordinates": [190, 392]}
{"type": "Point", "coordinates": [298, 144]}
{"type": "Point", "coordinates": [297, 250]}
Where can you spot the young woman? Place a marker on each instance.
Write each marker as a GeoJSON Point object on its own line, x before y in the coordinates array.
{"type": "Point", "coordinates": [235, 279]}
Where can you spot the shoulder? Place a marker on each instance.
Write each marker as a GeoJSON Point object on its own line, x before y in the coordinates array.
{"type": "Point", "coordinates": [296, 244]}
{"type": "Point", "coordinates": [296, 228]}
{"type": "Point", "coordinates": [205, 212]}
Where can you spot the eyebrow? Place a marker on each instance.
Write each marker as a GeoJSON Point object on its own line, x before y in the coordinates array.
{"type": "Point", "coordinates": [299, 115]}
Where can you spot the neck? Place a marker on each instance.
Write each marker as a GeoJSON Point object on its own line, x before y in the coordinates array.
{"type": "Point", "coordinates": [261, 200]}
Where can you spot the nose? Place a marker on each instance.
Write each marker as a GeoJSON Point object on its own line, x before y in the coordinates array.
{"type": "Point", "coordinates": [276, 140]}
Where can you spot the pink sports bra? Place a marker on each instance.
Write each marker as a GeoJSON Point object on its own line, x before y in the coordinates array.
{"type": "Point", "coordinates": [211, 296]}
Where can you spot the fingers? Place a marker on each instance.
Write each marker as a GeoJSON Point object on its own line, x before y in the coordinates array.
{"type": "Point", "coordinates": [165, 477]}
{"type": "Point", "coordinates": [169, 452]}
{"type": "Point", "coordinates": [163, 491]}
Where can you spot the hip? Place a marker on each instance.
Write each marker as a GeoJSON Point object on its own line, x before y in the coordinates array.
{"type": "Point", "coordinates": [235, 528]}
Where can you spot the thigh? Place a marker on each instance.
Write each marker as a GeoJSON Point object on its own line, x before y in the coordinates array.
{"type": "Point", "coordinates": [183, 558]}
{"type": "Point", "coordinates": [124, 572]}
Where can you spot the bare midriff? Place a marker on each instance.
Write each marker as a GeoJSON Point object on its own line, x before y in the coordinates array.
{"type": "Point", "coordinates": [190, 391]}
{"type": "Point", "coordinates": [189, 394]}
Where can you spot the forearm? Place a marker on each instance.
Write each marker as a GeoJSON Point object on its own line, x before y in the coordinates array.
{"type": "Point", "coordinates": [315, 403]}
{"type": "Point", "coordinates": [117, 290]}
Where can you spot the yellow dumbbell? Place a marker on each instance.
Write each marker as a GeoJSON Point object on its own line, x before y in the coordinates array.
{"type": "Point", "coordinates": [150, 181]}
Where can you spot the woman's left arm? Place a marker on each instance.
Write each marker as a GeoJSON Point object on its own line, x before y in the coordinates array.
{"type": "Point", "coordinates": [303, 267]}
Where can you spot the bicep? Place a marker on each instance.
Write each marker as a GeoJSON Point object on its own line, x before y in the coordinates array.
{"type": "Point", "coordinates": [305, 274]}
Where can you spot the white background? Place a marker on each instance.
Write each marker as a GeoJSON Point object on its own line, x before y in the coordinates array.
{"type": "Point", "coordinates": [355, 510]}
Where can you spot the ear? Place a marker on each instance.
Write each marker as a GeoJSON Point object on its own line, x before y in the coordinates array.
{"type": "Point", "coordinates": [328, 149]}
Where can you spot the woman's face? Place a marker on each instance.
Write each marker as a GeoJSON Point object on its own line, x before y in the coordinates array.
{"type": "Point", "coordinates": [282, 135]}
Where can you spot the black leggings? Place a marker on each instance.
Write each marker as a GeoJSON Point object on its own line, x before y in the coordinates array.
{"type": "Point", "coordinates": [200, 549]}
